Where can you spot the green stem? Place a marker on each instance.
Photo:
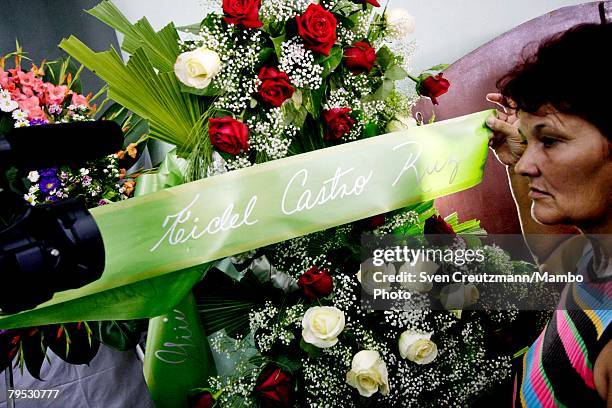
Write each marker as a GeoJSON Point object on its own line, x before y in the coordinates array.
{"type": "Point", "coordinates": [415, 79]}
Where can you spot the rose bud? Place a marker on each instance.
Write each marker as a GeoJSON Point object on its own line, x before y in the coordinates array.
{"type": "Point", "coordinates": [274, 387]}
{"type": "Point", "coordinates": [337, 123]}
{"type": "Point", "coordinates": [316, 283]}
{"type": "Point", "coordinates": [317, 27]}
{"type": "Point", "coordinates": [202, 400]}
{"type": "Point", "coordinates": [275, 87]}
{"type": "Point", "coordinates": [433, 87]}
{"type": "Point", "coordinates": [228, 135]}
{"type": "Point", "coordinates": [360, 57]}
{"type": "Point", "coordinates": [242, 12]}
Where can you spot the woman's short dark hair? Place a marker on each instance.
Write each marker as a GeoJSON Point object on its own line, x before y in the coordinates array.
{"type": "Point", "coordinates": [569, 71]}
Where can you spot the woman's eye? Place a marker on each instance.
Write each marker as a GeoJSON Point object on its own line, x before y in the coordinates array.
{"type": "Point", "coordinates": [548, 141]}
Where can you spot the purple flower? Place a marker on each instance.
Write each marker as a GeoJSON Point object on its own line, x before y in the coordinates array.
{"type": "Point", "coordinates": [36, 122]}
{"type": "Point", "coordinates": [103, 202]}
{"type": "Point", "coordinates": [48, 180]}
{"type": "Point", "coordinates": [50, 172]}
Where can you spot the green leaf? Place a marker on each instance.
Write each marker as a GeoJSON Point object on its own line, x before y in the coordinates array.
{"type": "Point", "coordinates": [210, 90]}
{"type": "Point", "coordinates": [346, 21]}
{"type": "Point", "coordinates": [266, 54]}
{"type": "Point", "coordinates": [161, 48]}
{"type": "Point", "coordinates": [439, 67]}
{"type": "Point", "coordinates": [313, 351]}
{"type": "Point", "coordinates": [383, 91]}
{"type": "Point", "coordinates": [313, 100]}
{"type": "Point", "coordinates": [290, 365]}
{"type": "Point", "coordinates": [384, 57]}
{"type": "Point", "coordinates": [294, 115]}
{"type": "Point", "coordinates": [138, 127]}
{"type": "Point", "coordinates": [120, 335]}
{"type": "Point", "coordinates": [395, 73]}
{"type": "Point", "coordinates": [371, 129]}
{"type": "Point", "coordinates": [278, 41]}
{"type": "Point", "coordinates": [191, 28]}
{"type": "Point", "coordinates": [331, 62]}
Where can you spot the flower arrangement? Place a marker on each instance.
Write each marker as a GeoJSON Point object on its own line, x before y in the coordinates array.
{"type": "Point", "coordinates": [49, 94]}
{"type": "Point", "coordinates": [309, 341]}
{"type": "Point", "coordinates": [261, 80]}
{"type": "Point", "coordinates": [271, 69]}
{"type": "Point", "coordinates": [46, 94]}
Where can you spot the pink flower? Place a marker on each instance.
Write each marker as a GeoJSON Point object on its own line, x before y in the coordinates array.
{"type": "Point", "coordinates": [56, 94]}
{"type": "Point", "coordinates": [26, 79]}
{"type": "Point", "coordinates": [31, 106]}
{"type": "Point", "coordinates": [4, 79]}
{"type": "Point", "coordinates": [16, 94]}
{"type": "Point", "coordinates": [27, 91]}
{"type": "Point", "coordinates": [39, 86]}
{"type": "Point", "coordinates": [79, 100]}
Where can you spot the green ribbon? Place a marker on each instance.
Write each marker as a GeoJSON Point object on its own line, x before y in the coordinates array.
{"type": "Point", "coordinates": [178, 356]}
{"type": "Point", "coordinates": [149, 238]}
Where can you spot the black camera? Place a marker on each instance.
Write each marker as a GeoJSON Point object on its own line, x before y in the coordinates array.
{"type": "Point", "coordinates": [56, 246]}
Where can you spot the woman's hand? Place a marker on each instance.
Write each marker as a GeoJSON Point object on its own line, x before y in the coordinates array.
{"type": "Point", "coordinates": [506, 141]}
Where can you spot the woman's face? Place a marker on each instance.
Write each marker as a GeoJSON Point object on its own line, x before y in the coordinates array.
{"type": "Point", "coordinates": [569, 165]}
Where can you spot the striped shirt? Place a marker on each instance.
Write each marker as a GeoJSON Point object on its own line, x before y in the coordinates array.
{"type": "Point", "coordinates": [557, 371]}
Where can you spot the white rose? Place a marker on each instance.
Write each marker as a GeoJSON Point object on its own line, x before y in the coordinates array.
{"type": "Point", "coordinates": [417, 347]}
{"type": "Point", "coordinates": [399, 23]}
{"type": "Point", "coordinates": [366, 272]}
{"type": "Point", "coordinates": [427, 267]}
{"type": "Point", "coordinates": [401, 123]}
{"type": "Point", "coordinates": [198, 67]}
{"type": "Point", "coordinates": [459, 296]}
{"type": "Point", "coordinates": [322, 325]}
{"type": "Point", "coordinates": [368, 373]}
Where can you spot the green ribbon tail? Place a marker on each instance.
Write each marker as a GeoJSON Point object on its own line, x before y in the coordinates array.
{"type": "Point", "coordinates": [178, 356]}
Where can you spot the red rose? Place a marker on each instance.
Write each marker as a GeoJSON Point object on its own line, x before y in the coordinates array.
{"type": "Point", "coordinates": [337, 123]}
{"type": "Point", "coordinates": [242, 12]}
{"type": "Point", "coordinates": [203, 400]}
{"type": "Point", "coordinates": [442, 233]}
{"type": "Point", "coordinates": [317, 27]}
{"type": "Point", "coordinates": [372, 2]}
{"type": "Point", "coordinates": [275, 87]}
{"type": "Point", "coordinates": [374, 222]}
{"type": "Point", "coordinates": [433, 86]}
{"type": "Point", "coordinates": [274, 387]}
{"type": "Point", "coordinates": [316, 283]}
{"type": "Point", "coordinates": [437, 225]}
{"type": "Point", "coordinates": [228, 135]}
{"type": "Point", "coordinates": [360, 57]}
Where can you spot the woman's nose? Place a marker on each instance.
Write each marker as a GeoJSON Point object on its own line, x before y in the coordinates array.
{"type": "Point", "coordinates": [527, 164]}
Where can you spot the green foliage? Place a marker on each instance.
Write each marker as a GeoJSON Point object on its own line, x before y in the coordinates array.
{"type": "Point", "coordinates": [120, 335]}
{"type": "Point", "coordinates": [395, 73]}
{"type": "Point", "coordinates": [278, 42]}
{"type": "Point", "coordinates": [155, 96]}
{"type": "Point", "coordinates": [384, 57]}
{"type": "Point", "coordinates": [331, 62]}
{"type": "Point", "coordinates": [161, 47]}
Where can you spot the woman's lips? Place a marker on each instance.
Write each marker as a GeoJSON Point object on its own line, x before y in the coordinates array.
{"type": "Point", "coordinates": [535, 193]}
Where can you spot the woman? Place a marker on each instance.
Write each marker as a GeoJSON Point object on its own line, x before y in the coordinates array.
{"type": "Point", "coordinates": [553, 131]}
